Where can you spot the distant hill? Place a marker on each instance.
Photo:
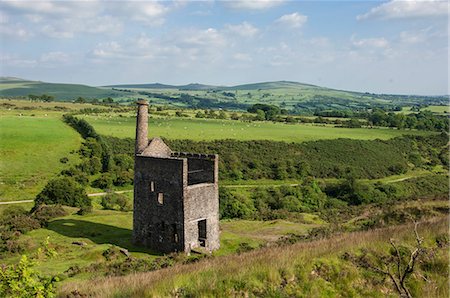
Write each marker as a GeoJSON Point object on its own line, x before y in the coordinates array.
{"type": "Point", "coordinates": [196, 86]}
{"type": "Point", "coordinates": [294, 96]}
{"type": "Point", "coordinates": [193, 86]}
{"type": "Point", "coordinates": [16, 87]}
{"type": "Point", "coordinates": [274, 85]}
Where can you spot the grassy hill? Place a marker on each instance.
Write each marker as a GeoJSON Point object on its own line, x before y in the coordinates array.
{"type": "Point", "coordinates": [15, 87]}
{"type": "Point", "coordinates": [296, 97]}
{"type": "Point", "coordinates": [214, 129]}
{"type": "Point", "coordinates": [318, 268]}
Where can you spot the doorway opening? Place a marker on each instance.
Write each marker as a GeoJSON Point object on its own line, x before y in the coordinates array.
{"type": "Point", "coordinates": [202, 232]}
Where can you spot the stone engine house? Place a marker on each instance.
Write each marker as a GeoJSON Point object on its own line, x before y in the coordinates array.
{"type": "Point", "coordinates": [176, 195]}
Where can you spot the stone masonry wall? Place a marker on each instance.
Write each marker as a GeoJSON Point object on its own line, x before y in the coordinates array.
{"type": "Point", "coordinates": [201, 202]}
{"type": "Point", "coordinates": [159, 225]}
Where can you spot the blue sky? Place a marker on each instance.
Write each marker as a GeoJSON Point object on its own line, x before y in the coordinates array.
{"type": "Point", "coordinates": [394, 46]}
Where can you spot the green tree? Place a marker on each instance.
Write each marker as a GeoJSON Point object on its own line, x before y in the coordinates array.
{"type": "Point", "coordinates": [64, 191]}
{"type": "Point", "coordinates": [21, 280]}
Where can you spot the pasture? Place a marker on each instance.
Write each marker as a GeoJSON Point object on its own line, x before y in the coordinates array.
{"type": "Point", "coordinates": [212, 129]}
{"type": "Point", "coordinates": [103, 229]}
{"type": "Point", "coordinates": [30, 153]}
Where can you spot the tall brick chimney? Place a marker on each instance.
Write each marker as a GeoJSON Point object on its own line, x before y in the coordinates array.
{"type": "Point", "coordinates": [141, 126]}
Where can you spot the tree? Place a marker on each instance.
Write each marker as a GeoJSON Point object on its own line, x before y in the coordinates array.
{"type": "Point", "coordinates": [47, 98]}
{"type": "Point", "coordinates": [33, 97]}
{"type": "Point", "coordinates": [80, 100]}
{"type": "Point", "coordinates": [64, 191]}
{"type": "Point", "coordinates": [398, 264]}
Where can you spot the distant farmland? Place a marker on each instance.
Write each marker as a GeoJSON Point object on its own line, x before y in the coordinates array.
{"type": "Point", "coordinates": [211, 129]}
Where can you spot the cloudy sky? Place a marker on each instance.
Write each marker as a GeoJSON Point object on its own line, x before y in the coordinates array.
{"type": "Point", "coordinates": [394, 46]}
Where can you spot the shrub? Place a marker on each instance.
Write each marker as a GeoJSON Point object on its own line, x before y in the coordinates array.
{"type": "Point", "coordinates": [114, 201]}
{"type": "Point", "coordinates": [85, 210]}
{"type": "Point", "coordinates": [12, 211]}
{"type": "Point", "coordinates": [64, 191]}
{"type": "Point", "coordinates": [23, 223]}
{"type": "Point", "coordinates": [44, 213]}
{"type": "Point", "coordinates": [123, 178]}
{"type": "Point", "coordinates": [105, 181]}
{"type": "Point", "coordinates": [21, 280]}
{"type": "Point", "coordinates": [235, 205]}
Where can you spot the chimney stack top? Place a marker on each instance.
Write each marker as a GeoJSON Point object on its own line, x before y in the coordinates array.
{"type": "Point", "coordinates": [142, 101]}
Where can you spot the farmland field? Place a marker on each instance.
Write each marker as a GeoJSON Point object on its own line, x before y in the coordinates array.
{"type": "Point", "coordinates": [210, 129]}
{"type": "Point", "coordinates": [437, 109]}
{"type": "Point", "coordinates": [30, 151]}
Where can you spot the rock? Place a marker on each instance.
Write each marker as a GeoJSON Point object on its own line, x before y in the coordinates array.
{"type": "Point", "coordinates": [125, 251]}
{"type": "Point", "coordinates": [80, 243]}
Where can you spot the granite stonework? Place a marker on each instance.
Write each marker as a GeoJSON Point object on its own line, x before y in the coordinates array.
{"type": "Point", "coordinates": [176, 195]}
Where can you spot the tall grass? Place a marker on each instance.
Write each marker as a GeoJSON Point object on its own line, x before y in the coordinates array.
{"type": "Point", "coordinates": [291, 270]}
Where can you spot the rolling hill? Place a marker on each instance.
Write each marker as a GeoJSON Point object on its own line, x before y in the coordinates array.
{"type": "Point", "coordinates": [297, 97]}
{"type": "Point", "coordinates": [16, 87]}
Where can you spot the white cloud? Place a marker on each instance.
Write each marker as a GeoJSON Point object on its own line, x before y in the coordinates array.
{"type": "Point", "coordinates": [245, 29]}
{"type": "Point", "coordinates": [252, 4]}
{"type": "Point", "coordinates": [66, 19]}
{"type": "Point", "coordinates": [293, 20]}
{"type": "Point", "coordinates": [17, 31]}
{"type": "Point", "coordinates": [413, 36]}
{"type": "Point", "coordinates": [53, 8]}
{"type": "Point", "coordinates": [16, 61]}
{"type": "Point", "coordinates": [147, 12]}
{"type": "Point", "coordinates": [55, 57]}
{"type": "Point", "coordinates": [210, 37]}
{"type": "Point", "coordinates": [402, 9]}
{"type": "Point", "coordinates": [379, 42]}
{"type": "Point", "coordinates": [242, 57]}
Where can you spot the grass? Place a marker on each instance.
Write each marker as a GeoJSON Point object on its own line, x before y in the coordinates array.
{"type": "Point", "coordinates": [210, 129]}
{"type": "Point", "coordinates": [30, 151]}
{"type": "Point", "coordinates": [105, 228]}
{"type": "Point", "coordinates": [437, 109]}
{"type": "Point", "coordinates": [306, 269]}
{"type": "Point", "coordinates": [62, 92]}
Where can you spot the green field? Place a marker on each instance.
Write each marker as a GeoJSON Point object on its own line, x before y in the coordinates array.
{"type": "Point", "coordinates": [62, 92]}
{"type": "Point", "coordinates": [30, 150]}
{"type": "Point", "coordinates": [437, 109]}
{"type": "Point", "coordinates": [103, 229]}
{"type": "Point", "coordinates": [211, 129]}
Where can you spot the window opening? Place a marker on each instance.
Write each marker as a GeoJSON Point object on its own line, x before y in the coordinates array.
{"type": "Point", "coordinates": [152, 186]}
{"type": "Point", "coordinates": [202, 232]}
{"type": "Point", "coordinates": [160, 198]}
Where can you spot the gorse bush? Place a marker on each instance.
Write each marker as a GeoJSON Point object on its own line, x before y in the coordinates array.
{"type": "Point", "coordinates": [15, 221]}
{"type": "Point", "coordinates": [321, 159]}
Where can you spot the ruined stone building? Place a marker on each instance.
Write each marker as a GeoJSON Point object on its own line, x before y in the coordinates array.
{"type": "Point", "coordinates": [176, 198]}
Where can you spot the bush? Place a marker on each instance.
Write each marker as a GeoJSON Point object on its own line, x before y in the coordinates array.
{"type": "Point", "coordinates": [12, 211]}
{"type": "Point", "coordinates": [22, 223]}
{"type": "Point", "coordinates": [114, 201]}
{"type": "Point", "coordinates": [90, 166]}
{"type": "Point", "coordinates": [64, 191]}
{"type": "Point", "coordinates": [21, 280]}
{"type": "Point", "coordinates": [84, 210]}
{"type": "Point", "coordinates": [105, 181]}
{"type": "Point", "coordinates": [123, 178]}
{"type": "Point", "coordinates": [235, 205]}
{"type": "Point", "coordinates": [44, 213]}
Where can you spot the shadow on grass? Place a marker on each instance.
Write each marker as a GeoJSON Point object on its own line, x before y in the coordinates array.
{"type": "Point", "coordinates": [97, 233]}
